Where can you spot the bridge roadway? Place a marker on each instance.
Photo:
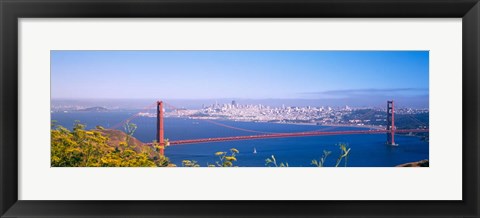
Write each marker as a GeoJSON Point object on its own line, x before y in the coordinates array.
{"type": "Point", "coordinates": [287, 135]}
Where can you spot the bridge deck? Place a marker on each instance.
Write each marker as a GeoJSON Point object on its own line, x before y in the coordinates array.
{"type": "Point", "coordinates": [288, 135]}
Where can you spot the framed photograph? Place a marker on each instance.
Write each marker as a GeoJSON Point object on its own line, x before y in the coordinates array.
{"type": "Point", "coordinates": [259, 108]}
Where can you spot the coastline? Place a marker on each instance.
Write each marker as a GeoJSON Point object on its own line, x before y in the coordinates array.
{"type": "Point", "coordinates": [289, 123]}
{"type": "Point", "coordinates": [370, 127]}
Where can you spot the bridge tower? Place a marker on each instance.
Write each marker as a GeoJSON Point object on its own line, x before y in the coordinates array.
{"type": "Point", "coordinates": [160, 138]}
{"type": "Point", "coordinates": [391, 123]}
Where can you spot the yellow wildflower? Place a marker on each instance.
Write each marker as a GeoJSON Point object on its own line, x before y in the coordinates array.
{"type": "Point", "coordinates": [231, 158]}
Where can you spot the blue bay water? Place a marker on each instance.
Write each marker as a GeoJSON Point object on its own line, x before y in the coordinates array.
{"type": "Point", "coordinates": [367, 150]}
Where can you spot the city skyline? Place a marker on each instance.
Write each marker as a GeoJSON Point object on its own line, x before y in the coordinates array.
{"type": "Point", "coordinates": [193, 104]}
{"type": "Point", "coordinates": [331, 77]}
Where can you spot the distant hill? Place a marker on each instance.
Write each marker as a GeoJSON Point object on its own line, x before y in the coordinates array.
{"type": "Point", "coordinates": [116, 136]}
{"type": "Point", "coordinates": [422, 163]}
{"type": "Point", "coordinates": [94, 109]}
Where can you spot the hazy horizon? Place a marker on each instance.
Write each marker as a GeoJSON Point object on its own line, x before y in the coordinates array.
{"type": "Point", "coordinates": [420, 102]}
{"type": "Point", "coordinates": [336, 78]}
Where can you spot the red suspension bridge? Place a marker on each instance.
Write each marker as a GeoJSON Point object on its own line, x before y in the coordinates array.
{"type": "Point", "coordinates": [287, 135]}
{"type": "Point", "coordinates": [389, 131]}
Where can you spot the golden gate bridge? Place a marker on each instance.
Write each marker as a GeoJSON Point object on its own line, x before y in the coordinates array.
{"type": "Point", "coordinates": [389, 131]}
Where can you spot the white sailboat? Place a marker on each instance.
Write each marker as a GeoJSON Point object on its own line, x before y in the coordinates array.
{"type": "Point", "coordinates": [254, 150]}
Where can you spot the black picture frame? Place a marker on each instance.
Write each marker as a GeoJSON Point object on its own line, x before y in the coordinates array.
{"type": "Point", "coordinates": [12, 10]}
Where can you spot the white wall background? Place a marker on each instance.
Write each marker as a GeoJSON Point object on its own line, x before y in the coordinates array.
{"type": "Point", "coordinates": [441, 181]}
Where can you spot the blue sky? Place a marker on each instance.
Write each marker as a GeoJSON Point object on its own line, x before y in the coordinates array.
{"type": "Point", "coordinates": [240, 75]}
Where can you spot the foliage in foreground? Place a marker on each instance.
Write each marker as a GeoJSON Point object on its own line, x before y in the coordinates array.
{"type": "Point", "coordinates": [272, 162]}
{"type": "Point", "coordinates": [344, 153]}
{"type": "Point", "coordinates": [225, 159]}
{"type": "Point", "coordinates": [89, 148]}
